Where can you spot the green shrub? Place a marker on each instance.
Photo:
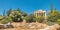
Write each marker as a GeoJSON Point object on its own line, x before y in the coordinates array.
{"type": "Point", "coordinates": [6, 20]}
{"type": "Point", "coordinates": [58, 21]}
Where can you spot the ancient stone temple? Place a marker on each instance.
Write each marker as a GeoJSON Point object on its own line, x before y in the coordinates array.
{"type": "Point", "coordinates": [40, 13]}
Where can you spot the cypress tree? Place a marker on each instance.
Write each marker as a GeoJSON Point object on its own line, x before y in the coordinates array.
{"type": "Point", "coordinates": [8, 13]}
{"type": "Point", "coordinates": [51, 8]}
{"type": "Point", "coordinates": [4, 13]}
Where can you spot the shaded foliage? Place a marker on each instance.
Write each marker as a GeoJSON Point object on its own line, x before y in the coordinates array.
{"type": "Point", "coordinates": [30, 18]}
{"type": "Point", "coordinates": [54, 16]}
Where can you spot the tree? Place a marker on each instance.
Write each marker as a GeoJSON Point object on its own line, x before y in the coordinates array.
{"type": "Point", "coordinates": [18, 9]}
{"type": "Point", "coordinates": [8, 12]}
{"type": "Point", "coordinates": [24, 14]}
{"type": "Point", "coordinates": [15, 15]}
{"type": "Point", "coordinates": [53, 16]}
{"type": "Point", "coordinates": [4, 13]}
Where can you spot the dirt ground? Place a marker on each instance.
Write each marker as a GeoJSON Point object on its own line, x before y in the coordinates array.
{"type": "Point", "coordinates": [36, 26]}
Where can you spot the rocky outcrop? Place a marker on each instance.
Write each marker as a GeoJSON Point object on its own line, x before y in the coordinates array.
{"type": "Point", "coordinates": [8, 25]}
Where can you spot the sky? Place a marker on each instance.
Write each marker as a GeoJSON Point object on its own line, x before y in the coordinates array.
{"type": "Point", "coordinates": [28, 6]}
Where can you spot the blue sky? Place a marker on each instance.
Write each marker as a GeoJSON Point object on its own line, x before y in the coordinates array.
{"type": "Point", "coordinates": [28, 6]}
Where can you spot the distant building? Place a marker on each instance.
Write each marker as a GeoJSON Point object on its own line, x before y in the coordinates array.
{"type": "Point", "coordinates": [40, 13]}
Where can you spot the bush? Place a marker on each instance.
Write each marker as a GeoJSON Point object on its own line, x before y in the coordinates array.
{"type": "Point", "coordinates": [50, 23]}
{"type": "Point", "coordinates": [6, 20]}
{"type": "Point", "coordinates": [58, 21]}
